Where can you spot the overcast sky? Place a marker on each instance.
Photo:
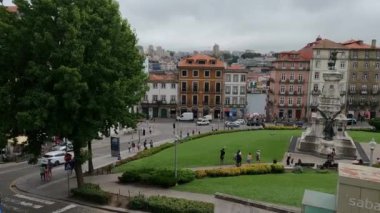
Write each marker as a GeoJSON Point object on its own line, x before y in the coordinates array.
{"type": "Point", "coordinates": [263, 26]}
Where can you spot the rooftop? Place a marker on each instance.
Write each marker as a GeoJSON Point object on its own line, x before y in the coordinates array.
{"type": "Point", "coordinates": [163, 76]}
{"type": "Point", "coordinates": [200, 60]}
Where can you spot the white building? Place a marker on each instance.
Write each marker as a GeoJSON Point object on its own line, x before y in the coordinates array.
{"type": "Point", "coordinates": [161, 98]}
{"type": "Point", "coordinates": [321, 55]}
{"type": "Point", "coordinates": [235, 92]}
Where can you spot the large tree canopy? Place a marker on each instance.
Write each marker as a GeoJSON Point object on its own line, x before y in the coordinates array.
{"type": "Point", "coordinates": [75, 70]}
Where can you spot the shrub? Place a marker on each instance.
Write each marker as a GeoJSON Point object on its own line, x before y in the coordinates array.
{"type": "Point", "coordinates": [375, 122]}
{"type": "Point", "coordinates": [277, 168]}
{"type": "Point", "coordinates": [200, 174]}
{"type": "Point", "coordinates": [93, 193]}
{"type": "Point", "coordinates": [271, 127]}
{"type": "Point", "coordinates": [171, 205]}
{"type": "Point", "coordinates": [159, 177]}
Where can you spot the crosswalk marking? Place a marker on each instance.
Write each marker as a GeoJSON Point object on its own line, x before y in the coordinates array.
{"type": "Point", "coordinates": [65, 208]}
{"type": "Point", "coordinates": [34, 199]}
{"type": "Point", "coordinates": [23, 203]}
{"type": "Point", "coordinates": [11, 208]}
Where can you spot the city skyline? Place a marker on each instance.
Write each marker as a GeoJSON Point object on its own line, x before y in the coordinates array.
{"type": "Point", "coordinates": [262, 26]}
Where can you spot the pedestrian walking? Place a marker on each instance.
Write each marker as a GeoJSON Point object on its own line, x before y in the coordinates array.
{"type": "Point", "coordinates": [222, 153]}
{"type": "Point", "coordinates": [42, 172]}
{"type": "Point", "coordinates": [150, 130]}
{"type": "Point", "coordinates": [133, 146]}
{"type": "Point", "coordinates": [258, 155]}
{"type": "Point", "coordinates": [288, 159]}
{"type": "Point", "coordinates": [129, 147]}
{"type": "Point", "coordinates": [138, 146]}
{"type": "Point", "coordinates": [46, 173]}
{"type": "Point", "coordinates": [145, 145]}
{"type": "Point", "coordinates": [238, 158]}
{"type": "Point", "coordinates": [249, 158]}
{"type": "Point", "coordinates": [151, 143]}
{"type": "Point", "coordinates": [50, 167]}
{"type": "Point", "coordinates": [193, 132]}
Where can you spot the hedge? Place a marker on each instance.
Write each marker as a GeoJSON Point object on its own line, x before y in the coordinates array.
{"type": "Point", "coordinates": [375, 122]}
{"type": "Point", "coordinates": [161, 204]}
{"type": "Point", "coordinates": [93, 193]}
{"type": "Point", "coordinates": [254, 169]}
{"type": "Point", "coordinates": [158, 177]}
{"type": "Point", "coordinates": [271, 127]}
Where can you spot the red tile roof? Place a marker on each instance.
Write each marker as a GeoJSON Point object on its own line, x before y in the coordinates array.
{"type": "Point", "coordinates": [163, 76]}
{"type": "Point", "coordinates": [235, 67]}
{"type": "Point", "coordinates": [328, 44]}
{"type": "Point", "coordinates": [356, 44]}
{"type": "Point", "coordinates": [12, 9]}
{"type": "Point", "coordinates": [209, 61]}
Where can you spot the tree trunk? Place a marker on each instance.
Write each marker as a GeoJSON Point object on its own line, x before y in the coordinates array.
{"type": "Point", "coordinates": [78, 166]}
{"type": "Point", "coordinates": [90, 164]}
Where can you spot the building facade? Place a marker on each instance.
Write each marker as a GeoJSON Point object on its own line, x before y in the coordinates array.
{"type": "Point", "coordinates": [363, 93]}
{"type": "Point", "coordinates": [160, 100]}
{"type": "Point", "coordinates": [201, 85]}
{"type": "Point", "coordinates": [322, 49]}
{"type": "Point", "coordinates": [235, 92]}
{"type": "Point", "coordinates": [287, 95]}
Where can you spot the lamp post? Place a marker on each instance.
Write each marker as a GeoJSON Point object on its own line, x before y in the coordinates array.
{"type": "Point", "coordinates": [372, 145]}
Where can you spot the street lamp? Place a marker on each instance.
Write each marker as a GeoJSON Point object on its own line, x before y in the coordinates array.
{"type": "Point", "coordinates": [372, 145]}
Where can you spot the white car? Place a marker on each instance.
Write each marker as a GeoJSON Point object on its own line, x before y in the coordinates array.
{"type": "Point", "coordinates": [203, 122]}
{"type": "Point", "coordinates": [56, 157]}
{"type": "Point", "coordinates": [240, 121]}
{"type": "Point", "coordinates": [62, 147]}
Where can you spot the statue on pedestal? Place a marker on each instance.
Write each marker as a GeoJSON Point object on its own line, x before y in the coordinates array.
{"type": "Point", "coordinates": [328, 129]}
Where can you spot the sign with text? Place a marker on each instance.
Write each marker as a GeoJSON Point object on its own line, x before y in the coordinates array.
{"type": "Point", "coordinates": [115, 146]}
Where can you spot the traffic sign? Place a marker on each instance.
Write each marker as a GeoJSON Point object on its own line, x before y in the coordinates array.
{"type": "Point", "coordinates": [69, 165]}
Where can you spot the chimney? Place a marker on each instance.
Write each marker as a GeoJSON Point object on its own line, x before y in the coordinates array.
{"type": "Point", "coordinates": [373, 44]}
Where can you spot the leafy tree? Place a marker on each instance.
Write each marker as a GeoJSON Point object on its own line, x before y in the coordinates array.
{"type": "Point", "coordinates": [250, 55]}
{"type": "Point", "coordinates": [82, 72]}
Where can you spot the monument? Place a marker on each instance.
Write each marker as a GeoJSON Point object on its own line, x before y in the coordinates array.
{"type": "Point", "coordinates": [328, 123]}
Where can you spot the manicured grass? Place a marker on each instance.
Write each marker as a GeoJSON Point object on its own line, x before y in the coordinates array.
{"type": "Point", "coordinates": [287, 188]}
{"type": "Point", "coordinates": [205, 151]}
{"type": "Point", "coordinates": [364, 136]}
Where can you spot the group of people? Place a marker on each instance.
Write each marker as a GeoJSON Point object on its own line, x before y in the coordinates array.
{"type": "Point", "coordinates": [238, 157]}
{"type": "Point", "coordinates": [132, 146]}
{"type": "Point", "coordinates": [46, 171]}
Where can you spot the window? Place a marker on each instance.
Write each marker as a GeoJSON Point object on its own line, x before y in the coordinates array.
{"type": "Point", "coordinates": [218, 87]}
{"type": "Point", "coordinates": [184, 73]}
{"type": "Point", "coordinates": [283, 65]}
{"type": "Point", "coordinates": [318, 52]}
{"type": "Point", "coordinates": [299, 101]}
{"type": "Point", "coordinates": [350, 100]}
{"type": "Point", "coordinates": [205, 101]}
{"type": "Point", "coordinates": [343, 54]}
{"type": "Point", "coordinates": [355, 64]}
{"type": "Point", "coordinates": [378, 54]}
{"type": "Point", "coordinates": [172, 98]}
{"type": "Point", "coordinates": [291, 89]}
{"type": "Point", "coordinates": [366, 65]}
{"type": "Point", "coordinates": [242, 100]}
{"type": "Point", "coordinates": [318, 64]}
{"type": "Point", "coordinates": [183, 86]}
{"type": "Point", "coordinates": [155, 85]}
{"type": "Point", "coordinates": [145, 97]}
{"type": "Point", "coordinates": [375, 88]}
{"type": "Point", "coordinates": [283, 76]}
{"type": "Point", "coordinates": [300, 66]}
{"type": "Point", "coordinates": [195, 86]}
{"type": "Point", "coordinates": [234, 100]}
{"type": "Point", "coordinates": [163, 85]}
{"type": "Point", "coordinates": [290, 101]}
{"type": "Point", "coordinates": [183, 99]}
{"type": "Point", "coordinates": [242, 78]}
{"type": "Point", "coordinates": [365, 76]}
{"type": "Point", "coordinates": [173, 86]}
{"type": "Point", "coordinates": [195, 73]}
{"type": "Point", "coordinates": [342, 64]}
{"type": "Point", "coordinates": [315, 87]}
{"type": "Point", "coordinates": [163, 97]}
{"type": "Point", "coordinates": [290, 113]}
{"type": "Point", "coordinates": [195, 100]}
{"type": "Point", "coordinates": [207, 86]}
{"type": "Point", "coordinates": [355, 54]}
{"type": "Point", "coordinates": [377, 65]}
{"type": "Point", "coordinates": [316, 75]}
{"type": "Point", "coordinates": [242, 90]}
{"type": "Point", "coordinates": [291, 65]}
{"type": "Point", "coordinates": [228, 90]}
{"type": "Point", "coordinates": [300, 77]}
{"type": "Point", "coordinates": [364, 87]}
{"type": "Point", "coordinates": [217, 100]}
{"type": "Point", "coordinates": [282, 100]}
{"type": "Point", "coordinates": [218, 73]}
{"type": "Point", "coordinates": [353, 76]}
{"type": "Point", "coordinates": [155, 97]}
{"type": "Point", "coordinates": [366, 54]}
{"type": "Point", "coordinates": [207, 73]}
{"type": "Point", "coordinates": [228, 78]}
{"type": "Point", "coordinates": [352, 88]}
{"type": "Point", "coordinates": [282, 89]}
{"type": "Point", "coordinates": [376, 76]}
{"type": "Point", "coordinates": [292, 76]}
{"type": "Point", "coordinates": [236, 78]}
{"type": "Point", "coordinates": [227, 100]}
{"type": "Point", "coordinates": [299, 90]}
{"type": "Point", "coordinates": [235, 90]}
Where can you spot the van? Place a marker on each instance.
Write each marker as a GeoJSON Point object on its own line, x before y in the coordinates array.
{"type": "Point", "coordinates": [186, 116]}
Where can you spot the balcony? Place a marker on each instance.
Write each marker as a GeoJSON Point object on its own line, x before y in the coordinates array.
{"type": "Point", "coordinates": [364, 92]}
{"type": "Point", "coordinates": [352, 91]}
{"type": "Point", "coordinates": [315, 92]}
{"type": "Point", "coordinates": [291, 92]}
{"type": "Point", "coordinates": [291, 81]}
{"type": "Point", "coordinates": [281, 104]}
{"type": "Point", "coordinates": [282, 93]}
{"type": "Point", "coordinates": [282, 80]}
{"type": "Point", "coordinates": [299, 81]}
{"type": "Point", "coordinates": [342, 93]}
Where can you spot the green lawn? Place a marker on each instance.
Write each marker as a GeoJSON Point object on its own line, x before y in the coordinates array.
{"type": "Point", "coordinates": [284, 189]}
{"type": "Point", "coordinates": [364, 137]}
{"type": "Point", "coordinates": [205, 151]}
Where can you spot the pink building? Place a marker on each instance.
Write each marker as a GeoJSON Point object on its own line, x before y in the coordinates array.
{"type": "Point", "coordinates": [287, 94]}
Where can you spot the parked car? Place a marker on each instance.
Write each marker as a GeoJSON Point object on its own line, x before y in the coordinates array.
{"type": "Point", "coordinates": [254, 123]}
{"type": "Point", "coordinates": [63, 146]}
{"type": "Point", "coordinates": [203, 122]}
{"type": "Point", "coordinates": [351, 121]}
{"type": "Point", "coordinates": [186, 116]}
{"type": "Point", "coordinates": [240, 121]}
{"type": "Point", "coordinates": [56, 157]}
{"type": "Point", "coordinates": [232, 124]}
{"type": "Point", "coordinates": [299, 123]}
